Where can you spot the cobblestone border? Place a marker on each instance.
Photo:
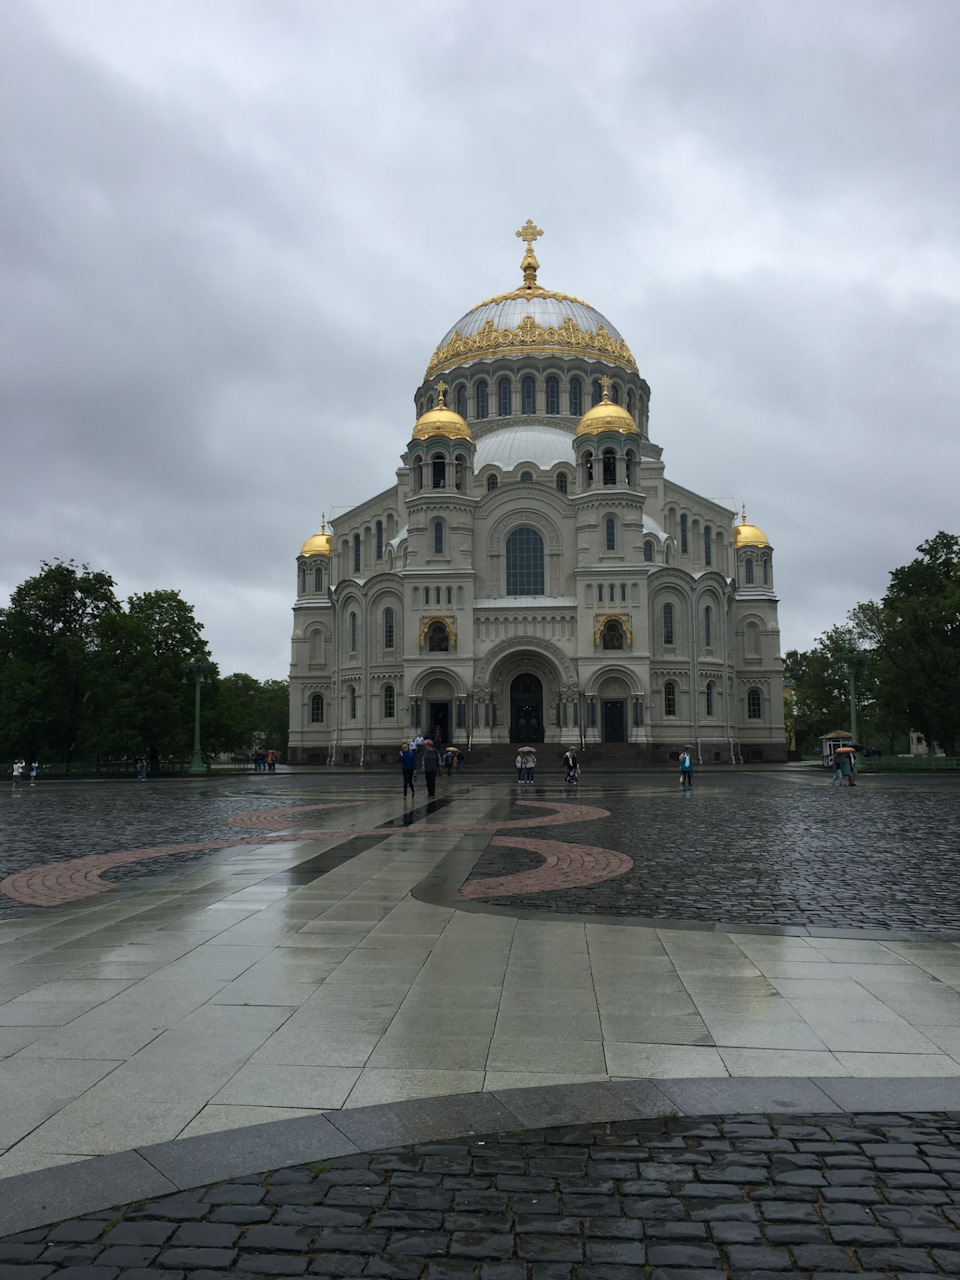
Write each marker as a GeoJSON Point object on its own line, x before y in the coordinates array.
{"type": "Point", "coordinates": [49, 1195]}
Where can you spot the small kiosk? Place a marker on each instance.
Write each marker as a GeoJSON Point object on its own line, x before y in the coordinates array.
{"type": "Point", "coordinates": [829, 743]}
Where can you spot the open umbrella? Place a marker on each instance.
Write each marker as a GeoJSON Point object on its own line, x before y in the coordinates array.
{"type": "Point", "coordinates": [526, 751]}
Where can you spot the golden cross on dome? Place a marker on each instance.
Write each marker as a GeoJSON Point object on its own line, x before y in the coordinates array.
{"type": "Point", "coordinates": [529, 233]}
{"type": "Point", "coordinates": [605, 384]}
{"type": "Point", "coordinates": [441, 388]}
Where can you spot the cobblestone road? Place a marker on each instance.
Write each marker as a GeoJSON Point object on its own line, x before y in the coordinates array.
{"type": "Point", "coordinates": [676, 1199]}
{"type": "Point", "coordinates": [770, 850]}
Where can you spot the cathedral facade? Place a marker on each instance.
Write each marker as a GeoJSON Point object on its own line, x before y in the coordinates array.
{"type": "Point", "coordinates": [533, 576]}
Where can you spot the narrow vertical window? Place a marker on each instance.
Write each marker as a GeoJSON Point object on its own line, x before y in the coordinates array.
{"type": "Point", "coordinates": [611, 534]}
{"type": "Point", "coordinates": [609, 467]}
{"type": "Point", "coordinates": [528, 395]}
{"type": "Point", "coordinates": [684, 546]}
{"type": "Point", "coordinates": [710, 698]}
{"type": "Point", "coordinates": [353, 632]}
{"type": "Point", "coordinates": [438, 538]}
{"type": "Point", "coordinates": [668, 624]}
{"type": "Point", "coordinates": [648, 552]}
{"type": "Point", "coordinates": [707, 546]}
{"type": "Point", "coordinates": [389, 628]}
{"type": "Point", "coordinates": [754, 705]}
{"type": "Point", "coordinates": [303, 581]}
{"type": "Point", "coordinates": [748, 570]}
{"type": "Point", "coordinates": [389, 702]}
{"type": "Point", "coordinates": [615, 394]}
{"type": "Point", "coordinates": [449, 595]}
{"type": "Point", "coordinates": [316, 709]}
{"type": "Point", "coordinates": [318, 579]}
{"type": "Point", "coordinates": [631, 404]}
{"type": "Point", "coordinates": [553, 395]}
{"type": "Point", "coordinates": [596, 392]}
{"type": "Point", "coordinates": [504, 398]}
{"type": "Point", "coordinates": [462, 401]}
{"type": "Point", "coordinates": [669, 699]}
{"type": "Point", "coordinates": [600, 595]}
{"type": "Point", "coordinates": [623, 593]}
{"type": "Point", "coordinates": [576, 398]}
{"type": "Point", "coordinates": [356, 553]}
{"type": "Point", "coordinates": [483, 399]}
{"type": "Point", "coordinates": [708, 627]}
{"type": "Point", "coordinates": [439, 471]}
{"type": "Point", "coordinates": [379, 539]}
{"type": "Point", "coordinates": [766, 573]}
{"type": "Point", "coordinates": [491, 483]}
{"type": "Point", "coordinates": [562, 482]}
{"type": "Point", "coordinates": [631, 465]}
{"type": "Point", "coordinates": [437, 595]}
{"type": "Point", "coordinates": [352, 695]}
{"type": "Point", "coordinates": [460, 471]}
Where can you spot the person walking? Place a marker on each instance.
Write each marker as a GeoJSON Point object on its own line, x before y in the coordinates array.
{"type": "Point", "coordinates": [531, 765]}
{"type": "Point", "coordinates": [34, 767]}
{"type": "Point", "coordinates": [460, 760]}
{"type": "Point", "coordinates": [407, 759]}
{"type": "Point", "coordinates": [837, 769]}
{"type": "Point", "coordinates": [571, 766]}
{"type": "Point", "coordinates": [521, 768]}
{"type": "Point", "coordinates": [686, 769]}
{"type": "Point", "coordinates": [431, 763]}
{"type": "Point", "coordinates": [448, 760]}
{"type": "Point", "coordinates": [852, 757]}
{"type": "Point", "coordinates": [17, 774]}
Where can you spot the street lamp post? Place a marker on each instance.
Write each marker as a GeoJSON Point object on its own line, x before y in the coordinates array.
{"type": "Point", "coordinates": [197, 669]}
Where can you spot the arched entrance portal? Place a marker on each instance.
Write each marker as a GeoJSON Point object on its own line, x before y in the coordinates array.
{"type": "Point", "coordinates": [526, 709]}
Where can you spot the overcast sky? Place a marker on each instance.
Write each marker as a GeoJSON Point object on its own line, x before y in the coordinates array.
{"type": "Point", "coordinates": [233, 231]}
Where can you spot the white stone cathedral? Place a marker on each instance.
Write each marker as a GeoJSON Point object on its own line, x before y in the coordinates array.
{"type": "Point", "coordinates": [532, 576]}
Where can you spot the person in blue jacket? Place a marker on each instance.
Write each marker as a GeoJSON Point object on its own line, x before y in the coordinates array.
{"type": "Point", "coordinates": [407, 759]}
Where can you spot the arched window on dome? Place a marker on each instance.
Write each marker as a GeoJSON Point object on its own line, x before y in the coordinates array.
{"type": "Point", "coordinates": [316, 709]}
{"type": "Point", "coordinates": [389, 702]}
{"type": "Point", "coordinates": [389, 628]}
{"type": "Point", "coordinates": [504, 398]}
{"type": "Point", "coordinates": [596, 392]}
{"type": "Point", "coordinates": [611, 532]}
{"type": "Point", "coordinates": [439, 471]}
{"type": "Point", "coordinates": [669, 699]}
{"type": "Point", "coordinates": [438, 538]}
{"type": "Point", "coordinates": [766, 572]}
{"type": "Point", "coordinates": [648, 552]}
{"type": "Point", "coordinates": [668, 637]}
{"type": "Point", "coordinates": [526, 477]}
{"type": "Point", "coordinates": [528, 394]}
{"type": "Point", "coordinates": [552, 387]}
{"type": "Point", "coordinates": [748, 571]}
{"type": "Point", "coordinates": [754, 705]}
{"type": "Point", "coordinates": [491, 483]}
{"type": "Point", "coordinates": [462, 400]}
{"type": "Point", "coordinates": [318, 579]}
{"type": "Point", "coordinates": [483, 399]}
{"type": "Point", "coordinates": [356, 553]}
{"type": "Point", "coordinates": [562, 482]}
{"type": "Point", "coordinates": [609, 467]}
{"type": "Point", "coordinates": [524, 557]}
{"type": "Point", "coordinates": [615, 393]}
{"type": "Point", "coordinates": [576, 398]}
{"type": "Point", "coordinates": [587, 469]}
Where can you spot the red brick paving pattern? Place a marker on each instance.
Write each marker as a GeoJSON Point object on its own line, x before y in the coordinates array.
{"type": "Point", "coordinates": [564, 867]}
{"type": "Point", "coordinates": [61, 882]}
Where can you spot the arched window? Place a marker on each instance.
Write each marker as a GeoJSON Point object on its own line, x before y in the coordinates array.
{"type": "Point", "coordinates": [438, 638]}
{"type": "Point", "coordinates": [389, 702]}
{"type": "Point", "coordinates": [438, 537]}
{"type": "Point", "coordinates": [669, 699]}
{"type": "Point", "coordinates": [751, 642]}
{"type": "Point", "coordinates": [612, 637]}
{"type": "Point", "coordinates": [491, 483]}
{"type": "Point", "coordinates": [439, 471]}
{"type": "Point", "coordinates": [352, 698]}
{"type": "Point", "coordinates": [576, 397]}
{"type": "Point", "coordinates": [684, 545]}
{"type": "Point", "coordinates": [609, 467]}
{"type": "Point", "coordinates": [379, 539]}
{"type": "Point", "coordinates": [429, 404]}
{"type": "Point", "coordinates": [526, 477]}
{"type": "Point", "coordinates": [766, 572]}
{"type": "Point", "coordinates": [708, 627]}
{"type": "Point", "coordinates": [562, 482]}
{"type": "Point", "coordinates": [353, 632]}
{"type": "Point", "coordinates": [615, 394]}
{"type": "Point", "coordinates": [417, 473]}
{"type": "Point", "coordinates": [553, 394]}
{"type": "Point", "coordinates": [668, 624]}
{"type": "Point", "coordinates": [449, 595]}
{"type": "Point", "coordinates": [611, 534]}
{"type": "Point", "coordinates": [600, 594]}
{"type": "Point", "coordinates": [483, 399]}
{"type": "Point", "coordinates": [754, 705]}
{"type": "Point", "coordinates": [303, 580]}
{"type": "Point", "coordinates": [631, 460]}
{"type": "Point", "coordinates": [707, 545]}
{"type": "Point", "coordinates": [588, 468]}
{"type": "Point", "coordinates": [436, 595]}
{"type": "Point", "coordinates": [504, 398]}
{"type": "Point", "coordinates": [524, 555]}
{"type": "Point", "coordinates": [356, 553]}
{"type": "Point", "coordinates": [748, 570]}
{"type": "Point", "coordinates": [462, 401]}
{"type": "Point", "coordinates": [648, 552]}
{"type": "Point", "coordinates": [318, 579]}
{"type": "Point", "coordinates": [528, 395]}
{"type": "Point", "coordinates": [711, 694]}
{"type": "Point", "coordinates": [389, 628]}
{"type": "Point", "coordinates": [316, 709]}
{"type": "Point", "coordinates": [596, 391]}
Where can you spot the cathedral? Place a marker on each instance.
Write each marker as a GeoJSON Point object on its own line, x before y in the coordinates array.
{"type": "Point", "coordinates": [533, 576]}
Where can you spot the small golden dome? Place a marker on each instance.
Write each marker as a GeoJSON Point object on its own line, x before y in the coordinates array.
{"type": "Point", "coordinates": [606, 416]}
{"type": "Point", "coordinates": [748, 535]}
{"type": "Point", "coordinates": [441, 421]}
{"type": "Point", "coordinates": [321, 544]}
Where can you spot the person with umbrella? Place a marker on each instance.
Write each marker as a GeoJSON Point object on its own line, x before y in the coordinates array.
{"type": "Point", "coordinates": [526, 763]}
{"type": "Point", "coordinates": [686, 768]}
{"type": "Point", "coordinates": [847, 762]}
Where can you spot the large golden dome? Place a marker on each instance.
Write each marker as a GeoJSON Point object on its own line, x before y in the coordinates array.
{"type": "Point", "coordinates": [531, 321]}
{"type": "Point", "coordinates": [321, 544]}
{"type": "Point", "coordinates": [441, 421]}
{"type": "Point", "coordinates": [748, 535]}
{"type": "Point", "coordinates": [606, 416]}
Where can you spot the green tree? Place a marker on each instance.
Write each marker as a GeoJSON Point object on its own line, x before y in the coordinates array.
{"type": "Point", "coordinates": [821, 678]}
{"type": "Point", "coordinates": [246, 706]}
{"type": "Point", "coordinates": [50, 656]}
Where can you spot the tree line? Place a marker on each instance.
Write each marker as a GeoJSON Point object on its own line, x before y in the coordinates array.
{"type": "Point", "coordinates": [84, 676]}
{"type": "Point", "coordinates": [904, 657]}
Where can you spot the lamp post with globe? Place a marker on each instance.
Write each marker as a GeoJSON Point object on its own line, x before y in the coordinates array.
{"type": "Point", "coordinates": [199, 670]}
